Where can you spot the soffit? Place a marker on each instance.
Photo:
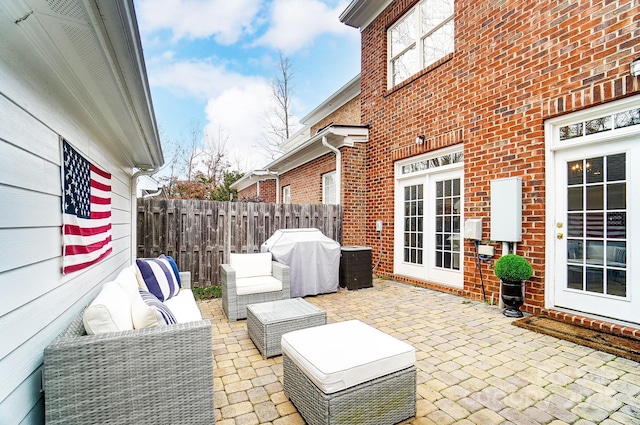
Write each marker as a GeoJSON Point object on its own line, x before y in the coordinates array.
{"type": "Point", "coordinates": [360, 13]}
{"type": "Point", "coordinates": [336, 135]}
{"type": "Point", "coordinates": [89, 57]}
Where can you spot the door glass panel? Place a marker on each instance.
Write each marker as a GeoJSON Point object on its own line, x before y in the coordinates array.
{"type": "Point", "coordinates": [616, 167]}
{"type": "Point", "coordinates": [574, 277]}
{"type": "Point", "coordinates": [595, 280]}
{"type": "Point", "coordinates": [595, 225]}
{"type": "Point", "coordinates": [616, 225]}
{"type": "Point", "coordinates": [596, 230]}
{"type": "Point", "coordinates": [413, 207]}
{"type": "Point", "coordinates": [595, 197]}
{"type": "Point", "coordinates": [575, 198]}
{"type": "Point", "coordinates": [576, 224]}
{"type": "Point", "coordinates": [447, 220]}
{"type": "Point", "coordinates": [616, 196]}
{"type": "Point", "coordinates": [594, 167]}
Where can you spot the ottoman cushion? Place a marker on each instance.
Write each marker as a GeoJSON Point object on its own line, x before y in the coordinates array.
{"type": "Point", "coordinates": [344, 354]}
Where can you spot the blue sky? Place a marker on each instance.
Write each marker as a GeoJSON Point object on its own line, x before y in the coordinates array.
{"type": "Point", "coordinates": [211, 62]}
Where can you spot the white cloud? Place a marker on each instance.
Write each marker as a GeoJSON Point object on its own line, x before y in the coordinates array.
{"type": "Point", "coordinates": [295, 24]}
{"type": "Point", "coordinates": [241, 112]}
{"type": "Point", "coordinates": [226, 20]}
{"type": "Point", "coordinates": [197, 78]}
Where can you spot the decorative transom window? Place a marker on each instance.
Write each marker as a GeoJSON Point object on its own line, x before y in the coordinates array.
{"type": "Point", "coordinates": [600, 124]}
{"type": "Point", "coordinates": [421, 37]}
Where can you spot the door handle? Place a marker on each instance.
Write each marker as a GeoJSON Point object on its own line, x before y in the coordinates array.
{"type": "Point", "coordinates": [559, 235]}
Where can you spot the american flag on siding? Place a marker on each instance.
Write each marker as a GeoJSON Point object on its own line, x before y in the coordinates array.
{"type": "Point", "coordinates": [86, 212]}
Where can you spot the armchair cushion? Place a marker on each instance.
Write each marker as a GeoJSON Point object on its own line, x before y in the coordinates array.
{"type": "Point", "coordinates": [251, 265]}
{"type": "Point", "coordinates": [158, 276]}
{"type": "Point", "coordinates": [110, 311]}
{"type": "Point", "coordinates": [257, 285]}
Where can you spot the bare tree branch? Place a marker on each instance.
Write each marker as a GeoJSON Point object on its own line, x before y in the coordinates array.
{"type": "Point", "coordinates": [278, 126]}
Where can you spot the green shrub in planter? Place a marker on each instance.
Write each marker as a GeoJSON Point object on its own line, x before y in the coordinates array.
{"type": "Point", "coordinates": [512, 268]}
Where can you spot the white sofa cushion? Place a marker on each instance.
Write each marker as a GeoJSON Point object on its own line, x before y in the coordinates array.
{"type": "Point", "coordinates": [158, 276]}
{"type": "Point", "coordinates": [344, 354]}
{"type": "Point", "coordinates": [184, 307]}
{"type": "Point", "coordinates": [110, 311]}
{"type": "Point", "coordinates": [251, 265]}
{"type": "Point", "coordinates": [257, 285]}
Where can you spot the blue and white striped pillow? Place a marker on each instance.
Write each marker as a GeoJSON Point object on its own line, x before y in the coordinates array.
{"type": "Point", "coordinates": [159, 277]}
{"type": "Point", "coordinates": [162, 312]}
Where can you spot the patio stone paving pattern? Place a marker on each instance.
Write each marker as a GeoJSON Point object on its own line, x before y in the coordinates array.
{"type": "Point", "coordinates": [474, 367]}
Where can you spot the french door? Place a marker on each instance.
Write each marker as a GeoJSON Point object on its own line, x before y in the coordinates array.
{"type": "Point", "coordinates": [596, 231]}
{"type": "Point", "coordinates": [428, 235]}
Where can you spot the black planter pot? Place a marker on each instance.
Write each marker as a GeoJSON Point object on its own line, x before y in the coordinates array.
{"type": "Point", "coordinates": [512, 297]}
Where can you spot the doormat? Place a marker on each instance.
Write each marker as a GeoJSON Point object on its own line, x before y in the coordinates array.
{"type": "Point", "coordinates": [620, 346]}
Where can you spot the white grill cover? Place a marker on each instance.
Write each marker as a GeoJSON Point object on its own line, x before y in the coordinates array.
{"type": "Point", "coordinates": [313, 260]}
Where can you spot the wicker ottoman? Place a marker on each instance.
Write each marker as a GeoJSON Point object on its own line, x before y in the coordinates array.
{"type": "Point", "coordinates": [267, 322]}
{"type": "Point", "coordinates": [349, 373]}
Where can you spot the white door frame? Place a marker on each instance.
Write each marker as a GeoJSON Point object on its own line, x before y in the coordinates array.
{"type": "Point", "coordinates": [553, 144]}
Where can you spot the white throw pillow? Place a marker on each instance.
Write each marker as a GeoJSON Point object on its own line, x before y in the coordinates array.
{"type": "Point", "coordinates": [110, 311]}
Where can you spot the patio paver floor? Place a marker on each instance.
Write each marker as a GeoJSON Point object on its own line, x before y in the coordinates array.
{"type": "Point", "coordinates": [474, 367]}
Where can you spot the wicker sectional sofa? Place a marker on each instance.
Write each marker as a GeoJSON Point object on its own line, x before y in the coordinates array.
{"type": "Point", "coordinates": [157, 375]}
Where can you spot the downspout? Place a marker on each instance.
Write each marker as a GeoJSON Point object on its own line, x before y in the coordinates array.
{"type": "Point", "coordinates": [338, 166]}
{"type": "Point", "coordinates": [134, 209]}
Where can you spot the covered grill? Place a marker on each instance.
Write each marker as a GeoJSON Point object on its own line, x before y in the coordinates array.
{"type": "Point", "coordinates": [312, 257]}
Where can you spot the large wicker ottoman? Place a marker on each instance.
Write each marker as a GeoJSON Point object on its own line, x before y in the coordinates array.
{"type": "Point", "coordinates": [267, 322]}
{"type": "Point", "coordinates": [349, 373]}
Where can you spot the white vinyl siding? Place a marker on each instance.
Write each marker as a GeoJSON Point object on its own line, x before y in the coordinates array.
{"type": "Point", "coordinates": [421, 37]}
{"type": "Point", "coordinates": [38, 302]}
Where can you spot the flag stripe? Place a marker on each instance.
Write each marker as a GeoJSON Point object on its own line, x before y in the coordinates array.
{"type": "Point", "coordinates": [86, 212]}
{"type": "Point", "coordinates": [80, 266]}
{"type": "Point", "coordinates": [70, 230]}
{"type": "Point", "coordinates": [86, 249]}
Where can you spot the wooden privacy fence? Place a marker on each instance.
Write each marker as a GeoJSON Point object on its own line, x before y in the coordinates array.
{"type": "Point", "coordinates": [200, 235]}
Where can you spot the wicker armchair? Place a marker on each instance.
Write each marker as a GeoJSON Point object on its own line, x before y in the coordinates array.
{"type": "Point", "coordinates": [160, 375]}
{"type": "Point", "coordinates": [235, 304]}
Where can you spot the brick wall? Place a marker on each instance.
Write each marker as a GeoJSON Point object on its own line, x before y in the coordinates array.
{"type": "Point", "coordinates": [347, 114]}
{"type": "Point", "coordinates": [515, 64]}
{"type": "Point", "coordinates": [268, 190]}
{"type": "Point", "coordinates": [250, 192]}
{"type": "Point", "coordinates": [306, 180]}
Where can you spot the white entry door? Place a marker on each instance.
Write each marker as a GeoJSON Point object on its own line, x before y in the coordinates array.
{"type": "Point", "coordinates": [596, 230]}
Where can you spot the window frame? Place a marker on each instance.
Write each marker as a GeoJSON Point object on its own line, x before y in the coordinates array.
{"type": "Point", "coordinates": [286, 194]}
{"type": "Point", "coordinates": [325, 190]}
{"type": "Point", "coordinates": [417, 43]}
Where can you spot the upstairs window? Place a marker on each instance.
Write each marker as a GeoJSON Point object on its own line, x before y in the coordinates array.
{"type": "Point", "coordinates": [421, 37]}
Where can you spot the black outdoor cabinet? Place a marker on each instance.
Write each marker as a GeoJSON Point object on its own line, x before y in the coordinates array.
{"type": "Point", "coordinates": [355, 267]}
